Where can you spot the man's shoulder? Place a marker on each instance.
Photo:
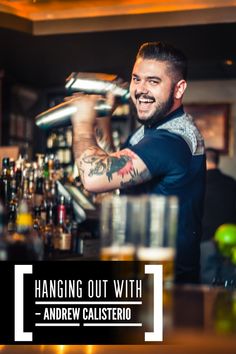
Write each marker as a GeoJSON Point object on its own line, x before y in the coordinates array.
{"type": "Point", "coordinates": [185, 127]}
{"type": "Point", "coordinates": [154, 136]}
{"type": "Point", "coordinates": [180, 131]}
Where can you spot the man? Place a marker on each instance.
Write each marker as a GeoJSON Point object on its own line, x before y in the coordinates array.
{"type": "Point", "coordinates": [219, 208]}
{"type": "Point", "coordinates": [164, 156]}
{"type": "Point", "coordinates": [220, 198]}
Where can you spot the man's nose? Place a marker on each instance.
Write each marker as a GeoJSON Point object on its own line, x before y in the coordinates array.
{"type": "Point", "coordinates": [142, 88]}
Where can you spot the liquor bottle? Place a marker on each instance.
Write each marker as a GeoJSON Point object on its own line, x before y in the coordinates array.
{"type": "Point", "coordinates": [5, 181]}
{"type": "Point", "coordinates": [51, 158]}
{"type": "Point", "coordinates": [12, 168]}
{"type": "Point", "coordinates": [40, 198]}
{"type": "Point", "coordinates": [48, 232]}
{"type": "Point", "coordinates": [12, 213]}
{"type": "Point", "coordinates": [28, 189]}
{"type": "Point", "coordinates": [77, 244]}
{"type": "Point", "coordinates": [31, 189]}
{"type": "Point", "coordinates": [12, 207]}
{"type": "Point", "coordinates": [62, 238]}
{"type": "Point", "coordinates": [46, 168]}
{"type": "Point", "coordinates": [37, 223]}
{"type": "Point", "coordinates": [39, 191]}
{"type": "Point", "coordinates": [51, 196]}
{"type": "Point", "coordinates": [25, 189]}
{"type": "Point", "coordinates": [43, 211]}
{"type": "Point", "coordinates": [58, 171]}
{"type": "Point", "coordinates": [40, 164]}
{"type": "Point", "coordinates": [3, 246]}
{"type": "Point", "coordinates": [24, 244]}
{"type": "Point", "coordinates": [18, 176]}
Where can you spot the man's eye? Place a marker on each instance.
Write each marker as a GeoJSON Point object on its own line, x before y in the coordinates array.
{"type": "Point", "coordinates": [153, 82]}
{"type": "Point", "coordinates": [136, 79]}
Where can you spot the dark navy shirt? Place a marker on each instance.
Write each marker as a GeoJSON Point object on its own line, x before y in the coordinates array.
{"type": "Point", "coordinates": [173, 151]}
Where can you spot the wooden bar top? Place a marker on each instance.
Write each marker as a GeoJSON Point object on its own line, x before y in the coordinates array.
{"type": "Point", "coordinates": [203, 321]}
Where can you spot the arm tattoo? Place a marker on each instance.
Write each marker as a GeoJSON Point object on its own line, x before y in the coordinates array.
{"type": "Point", "coordinates": [137, 179]}
{"type": "Point", "coordinates": [120, 163]}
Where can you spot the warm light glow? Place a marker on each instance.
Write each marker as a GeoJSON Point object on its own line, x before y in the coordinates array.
{"type": "Point", "coordinates": [1, 347]}
{"type": "Point", "coordinates": [60, 349]}
{"type": "Point", "coordinates": [229, 62]}
{"type": "Point", "coordinates": [89, 349]}
{"type": "Point", "coordinates": [52, 9]}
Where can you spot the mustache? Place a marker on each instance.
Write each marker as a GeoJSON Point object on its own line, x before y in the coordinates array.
{"type": "Point", "coordinates": [143, 95]}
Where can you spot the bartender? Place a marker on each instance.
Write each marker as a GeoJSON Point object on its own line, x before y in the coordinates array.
{"type": "Point", "coordinates": [165, 156]}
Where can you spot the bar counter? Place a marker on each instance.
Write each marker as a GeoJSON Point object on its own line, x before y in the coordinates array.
{"type": "Point", "coordinates": [203, 320]}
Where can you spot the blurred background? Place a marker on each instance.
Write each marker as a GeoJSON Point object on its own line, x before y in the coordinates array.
{"type": "Point", "coordinates": [43, 41]}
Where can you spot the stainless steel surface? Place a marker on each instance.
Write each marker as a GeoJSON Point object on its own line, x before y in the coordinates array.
{"type": "Point", "coordinates": [89, 83]}
{"type": "Point", "coordinates": [60, 115]}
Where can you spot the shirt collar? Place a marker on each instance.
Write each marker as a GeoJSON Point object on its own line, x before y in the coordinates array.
{"type": "Point", "coordinates": [174, 114]}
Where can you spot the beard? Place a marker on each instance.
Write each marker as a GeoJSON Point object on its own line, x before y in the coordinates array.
{"type": "Point", "coordinates": [162, 110]}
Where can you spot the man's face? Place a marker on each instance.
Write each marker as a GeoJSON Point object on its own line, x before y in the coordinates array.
{"type": "Point", "coordinates": [151, 90]}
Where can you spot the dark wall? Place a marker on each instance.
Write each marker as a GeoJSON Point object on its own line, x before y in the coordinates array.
{"type": "Point", "coordinates": [42, 63]}
{"type": "Point", "coordinates": [46, 61]}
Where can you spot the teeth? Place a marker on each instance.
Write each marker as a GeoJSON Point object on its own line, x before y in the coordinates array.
{"type": "Point", "coordinates": [145, 101]}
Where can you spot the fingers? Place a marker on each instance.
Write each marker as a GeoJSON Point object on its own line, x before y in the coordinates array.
{"type": "Point", "coordinates": [82, 98]}
{"type": "Point", "coordinates": [74, 97]}
{"type": "Point", "coordinates": [110, 99]}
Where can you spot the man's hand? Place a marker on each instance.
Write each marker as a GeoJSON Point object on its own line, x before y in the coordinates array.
{"type": "Point", "coordinates": [86, 113]}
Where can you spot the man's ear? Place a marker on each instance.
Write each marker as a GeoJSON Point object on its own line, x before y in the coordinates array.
{"type": "Point", "coordinates": [180, 87]}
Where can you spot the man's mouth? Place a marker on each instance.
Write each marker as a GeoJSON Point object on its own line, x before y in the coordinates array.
{"type": "Point", "coordinates": [145, 100]}
{"type": "Point", "coordinates": [144, 103]}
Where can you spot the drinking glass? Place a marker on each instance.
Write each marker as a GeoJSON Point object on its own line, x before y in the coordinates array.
{"type": "Point", "coordinates": [158, 242]}
{"type": "Point", "coordinates": [139, 227]}
{"type": "Point", "coordinates": [116, 228]}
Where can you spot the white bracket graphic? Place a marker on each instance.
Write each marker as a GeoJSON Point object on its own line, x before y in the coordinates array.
{"type": "Point", "coordinates": [20, 335]}
{"type": "Point", "coordinates": [157, 334]}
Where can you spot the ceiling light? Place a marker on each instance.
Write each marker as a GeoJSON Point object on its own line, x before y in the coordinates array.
{"type": "Point", "coordinates": [229, 62]}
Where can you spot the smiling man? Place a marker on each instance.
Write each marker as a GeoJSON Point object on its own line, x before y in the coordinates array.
{"type": "Point", "coordinates": [165, 156]}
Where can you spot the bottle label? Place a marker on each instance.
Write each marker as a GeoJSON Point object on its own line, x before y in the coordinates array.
{"type": "Point", "coordinates": [65, 242]}
{"type": "Point", "coordinates": [61, 213]}
{"type": "Point", "coordinates": [44, 216]}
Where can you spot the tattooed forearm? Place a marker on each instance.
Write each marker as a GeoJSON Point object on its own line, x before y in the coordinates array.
{"type": "Point", "coordinates": [99, 133]}
{"type": "Point", "coordinates": [104, 141]}
{"type": "Point", "coordinates": [81, 143]}
{"type": "Point", "coordinates": [136, 179]}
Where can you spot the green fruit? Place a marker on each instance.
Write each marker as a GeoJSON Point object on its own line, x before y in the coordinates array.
{"type": "Point", "coordinates": [226, 233]}
{"type": "Point", "coordinates": [225, 237]}
{"type": "Point", "coordinates": [225, 250]}
{"type": "Point", "coordinates": [233, 255]}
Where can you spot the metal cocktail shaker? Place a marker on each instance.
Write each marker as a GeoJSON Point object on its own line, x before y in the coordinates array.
{"type": "Point", "coordinates": [89, 83]}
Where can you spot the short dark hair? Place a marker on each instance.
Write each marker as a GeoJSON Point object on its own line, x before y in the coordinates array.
{"type": "Point", "coordinates": [213, 155]}
{"type": "Point", "coordinates": [162, 51]}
